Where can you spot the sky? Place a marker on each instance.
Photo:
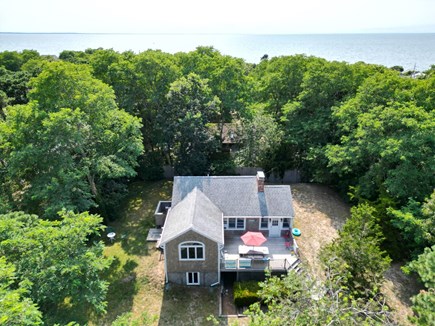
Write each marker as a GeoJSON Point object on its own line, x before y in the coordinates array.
{"type": "Point", "coordinates": [217, 16]}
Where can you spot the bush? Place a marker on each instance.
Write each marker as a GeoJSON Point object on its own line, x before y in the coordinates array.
{"type": "Point", "coordinates": [246, 293]}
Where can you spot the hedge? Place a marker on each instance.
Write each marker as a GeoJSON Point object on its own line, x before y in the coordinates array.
{"type": "Point", "coordinates": [245, 293]}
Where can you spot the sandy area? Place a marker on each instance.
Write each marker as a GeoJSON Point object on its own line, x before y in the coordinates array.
{"type": "Point", "coordinates": [319, 214]}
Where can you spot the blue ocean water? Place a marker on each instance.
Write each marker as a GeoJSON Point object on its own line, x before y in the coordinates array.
{"type": "Point", "coordinates": [407, 50]}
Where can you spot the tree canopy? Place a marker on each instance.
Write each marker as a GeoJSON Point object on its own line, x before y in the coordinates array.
{"type": "Point", "coordinates": [54, 260]}
{"type": "Point", "coordinates": [71, 138]}
{"type": "Point", "coordinates": [191, 105]}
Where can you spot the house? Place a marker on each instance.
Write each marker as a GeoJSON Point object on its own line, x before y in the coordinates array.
{"type": "Point", "coordinates": [229, 135]}
{"type": "Point", "coordinates": [203, 223]}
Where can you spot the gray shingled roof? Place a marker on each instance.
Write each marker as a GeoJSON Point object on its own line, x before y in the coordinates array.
{"type": "Point", "coordinates": [237, 195]}
{"type": "Point", "coordinates": [279, 200]}
{"type": "Point", "coordinates": [195, 212]}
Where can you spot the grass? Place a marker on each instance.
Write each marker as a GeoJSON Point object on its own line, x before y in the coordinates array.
{"type": "Point", "coordinates": [137, 293]}
{"type": "Point", "coordinates": [137, 290]}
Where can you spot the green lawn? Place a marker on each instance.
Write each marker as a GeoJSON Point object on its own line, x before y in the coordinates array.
{"type": "Point", "coordinates": [136, 276]}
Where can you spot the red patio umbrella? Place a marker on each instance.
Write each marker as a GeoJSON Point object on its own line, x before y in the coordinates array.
{"type": "Point", "coordinates": [253, 238]}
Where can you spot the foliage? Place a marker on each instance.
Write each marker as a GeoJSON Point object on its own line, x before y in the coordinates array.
{"type": "Point", "coordinates": [382, 126]}
{"type": "Point", "coordinates": [245, 293]}
{"type": "Point", "coordinates": [416, 223]}
{"type": "Point", "coordinates": [226, 77]}
{"type": "Point", "coordinates": [14, 86]}
{"type": "Point", "coordinates": [356, 253]}
{"type": "Point", "coordinates": [13, 60]}
{"type": "Point", "coordinates": [424, 302]}
{"type": "Point", "coordinates": [278, 81]}
{"type": "Point", "coordinates": [222, 164]}
{"type": "Point", "coordinates": [425, 267]}
{"type": "Point", "coordinates": [259, 139]}
{"type": "Point", "coordinates": [62, 147]}
{"type": "Point", "coordinates": [309, 125]}
{"type": "Point", "coordinates": [294, 299]}
{"type": "Point", "coordinates": [74, 56]}
{"type": "Point", "coordinates": [58, 258]}
{"type": "Point", "coordinates": [15, 307]}
{"type": "Point", "coordinates": [190, 108]}
{"type": "Point", "coordinates": [141, 83]}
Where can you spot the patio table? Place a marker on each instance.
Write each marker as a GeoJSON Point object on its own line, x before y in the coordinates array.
{"type": "Point", "coordinates": [250, 250]}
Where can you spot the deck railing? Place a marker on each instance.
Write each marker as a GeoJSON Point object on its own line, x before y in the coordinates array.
{"type": "Point", "coordinates": [246, 264]}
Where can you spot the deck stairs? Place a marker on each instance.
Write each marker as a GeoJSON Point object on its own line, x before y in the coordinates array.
{"type": "Point", "coordinates": [295, 266]}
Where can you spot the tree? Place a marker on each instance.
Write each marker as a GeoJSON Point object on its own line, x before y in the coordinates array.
{"type": "Point", "coordinates": [61, 148]}
{"type": "Point", "coordinates": [380, 129]}
{"type": "Point", "coordinates": [58, 258]}
{"type": "Point", "coordinates": [190, 108]}
{"type": "Point", "coordinates": [15, 307]}
{"type": "Point", "coordinates": [15, 85]}
{"type": "Point", "coordinates": [13, 60]}
{"type": "Point", "coordinates": [358, 250]}
{"type": "Point", "coordinates": [259, 139]}
{"type": "Point", "coordinates": [416, 223]}
{"type": "Point", "coordinates": [226, 77]}
{"type": "Point", "coordinates": [78, 57]}
{"type": "Point", "coordinates": [278, 81]}
{"type": "Point", "coordinates": [155, 71]}
{"type": "Point", "coordinates": [309, 124]}
{"type": "Point", "coordinates": [295, 299]}
{"type": "Point", "coordinates": [424, 302]}
{"type": "Point", "coordinates": [101, 60]}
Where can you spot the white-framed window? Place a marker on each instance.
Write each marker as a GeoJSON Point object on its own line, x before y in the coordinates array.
{"type": "Point", "coordinates": [286, 223]}
{"type": "Point", "coordinates": [191, 251]}
{"type": "Point", "coordinates": [192, 278]}
{"type": "Point", "coordinates": [264, 223]}
{"type": "Point", "coordinates": [234, 223]}
{"type": "Point", "coordinates": [275, 222]}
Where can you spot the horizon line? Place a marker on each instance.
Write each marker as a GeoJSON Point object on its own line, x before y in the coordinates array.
{"type": "Point", "coordinates": [198, 33]}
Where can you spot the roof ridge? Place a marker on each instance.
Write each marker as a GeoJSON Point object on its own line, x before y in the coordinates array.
{"type": "Point", "coordinates": [216, 176]}
{"type": "Point", "coordinates": [195, 193]}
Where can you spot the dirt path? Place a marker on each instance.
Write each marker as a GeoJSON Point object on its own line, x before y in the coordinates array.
{"type": "Point", "coordinates": [319, 214]}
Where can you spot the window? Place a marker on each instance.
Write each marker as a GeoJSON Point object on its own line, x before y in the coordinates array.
{"type": "Point", "coordinates": [275, 222]}
{"type": "Point", "coordinates": [191, 251]}
{"type": "Point", "coordinates": [233, 223]}
{"type": "Point", "coordinates": [192, 278]}
{"type": "Point", "coordinates": [286, 223]}
{"type": "Point", "coordinates": [264, 224]}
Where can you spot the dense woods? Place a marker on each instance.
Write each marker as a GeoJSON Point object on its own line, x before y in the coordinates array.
{"type": "Point", "coordinates": [75, 130]}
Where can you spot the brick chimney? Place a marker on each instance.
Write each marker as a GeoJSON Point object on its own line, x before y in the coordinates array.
{"type": "Point", "coordinates": [260, 181]}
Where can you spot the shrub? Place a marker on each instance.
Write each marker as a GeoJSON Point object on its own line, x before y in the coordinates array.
{"type": "Point", "coordinates": [246, 293]}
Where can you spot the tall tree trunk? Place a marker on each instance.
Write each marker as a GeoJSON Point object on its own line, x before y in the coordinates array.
{"type": "Point", "coordinates": [91, 180]}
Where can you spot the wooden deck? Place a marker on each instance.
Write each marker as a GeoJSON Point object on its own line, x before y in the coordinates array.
{"type": "Point", "coordinates": [281, 257]}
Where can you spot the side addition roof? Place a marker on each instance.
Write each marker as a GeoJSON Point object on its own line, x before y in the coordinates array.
{"type": "Point", "coordinates": [279, 200]}
{"type": "Point", "coordinates": [195, 212]}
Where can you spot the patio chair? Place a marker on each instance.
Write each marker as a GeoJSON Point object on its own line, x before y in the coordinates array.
{"type": "Point", "coordinates": [287, 245]}
{"type": "Point", "coordinates": [244, 263]}
{"type": "Point", "coordinates": [231, 264]}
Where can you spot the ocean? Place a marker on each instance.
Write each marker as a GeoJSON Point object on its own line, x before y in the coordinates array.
{"type": "Point", "coordinates": [406, 50]}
